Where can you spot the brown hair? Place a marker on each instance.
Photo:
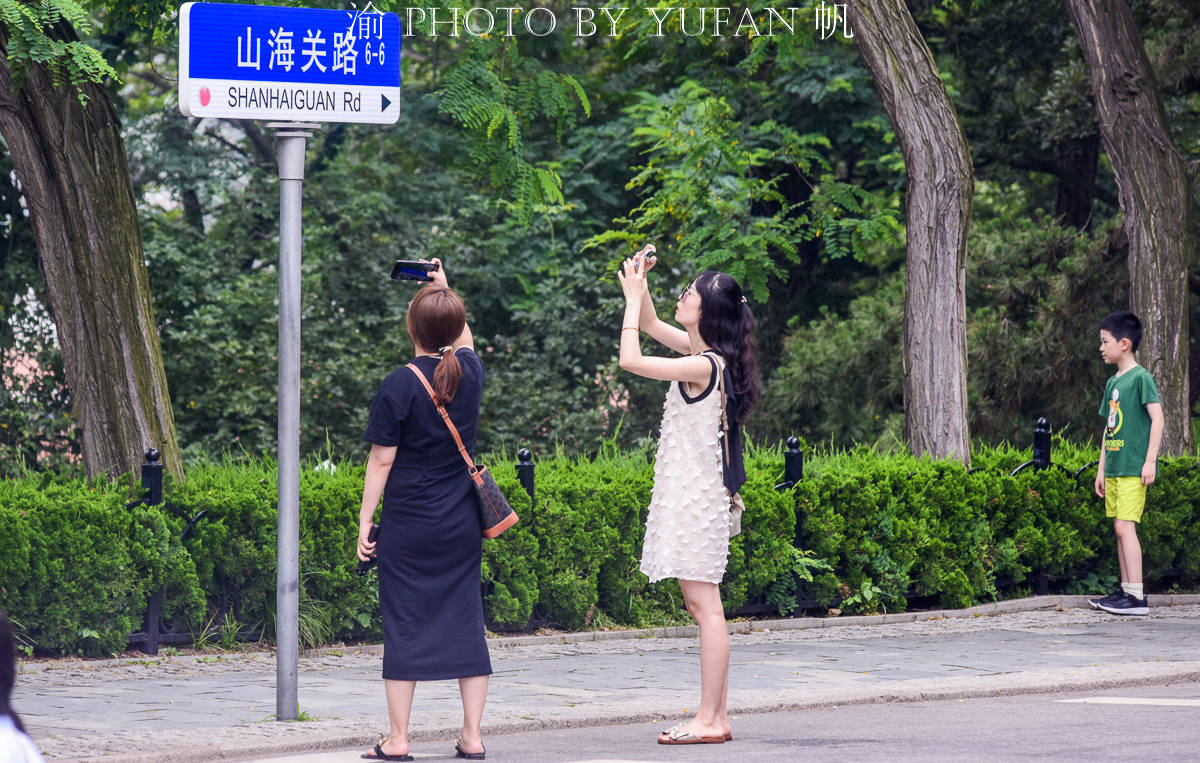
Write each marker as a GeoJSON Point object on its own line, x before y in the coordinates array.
{"type": "Point", "coordinates": [437, 317]}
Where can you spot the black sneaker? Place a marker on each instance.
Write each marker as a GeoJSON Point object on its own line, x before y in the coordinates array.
{"type": "Point", "coordinates": [1127, 606]}
{"type": "Point", "coordinates": [1110, 599]}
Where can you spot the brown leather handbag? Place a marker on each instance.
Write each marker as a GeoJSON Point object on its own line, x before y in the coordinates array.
{"type": "Point", "coordinates": [495, 514]}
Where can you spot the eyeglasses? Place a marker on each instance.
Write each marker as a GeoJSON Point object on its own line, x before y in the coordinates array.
{"type": "Point", "coordinates": [691, 289]}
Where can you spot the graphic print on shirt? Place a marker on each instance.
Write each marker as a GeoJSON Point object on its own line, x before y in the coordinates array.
{"type": "Point", "coordinates": [1115, 419]}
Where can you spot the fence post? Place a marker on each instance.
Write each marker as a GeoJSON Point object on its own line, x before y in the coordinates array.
{"type": "Point", "coordinates": [152, 483]}
{"type": "Point", "coordinates": [793, 461]}
{"type": "Point", "coordinates": [1041, 444]}
{"type": "Point", "coordinates": [152, 479]}
{"type": "Point", "coordinates": [525, 471]}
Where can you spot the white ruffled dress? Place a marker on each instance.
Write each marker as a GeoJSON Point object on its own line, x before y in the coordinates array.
{"type": "Point", "coordinates": [687, 529]}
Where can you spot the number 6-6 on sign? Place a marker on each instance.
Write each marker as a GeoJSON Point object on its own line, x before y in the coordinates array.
{"type": "Point", "coordinates": [289, 64]}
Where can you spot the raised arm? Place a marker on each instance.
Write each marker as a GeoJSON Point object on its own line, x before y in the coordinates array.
{"type": "Point", "coordinates": [692, 369]}
{"type": "Point", "coordinates": [664, 333]}
{"type": "Point", "coordinates": [648, 320]}
{"type": "Point", "coordinates": [466, 338]}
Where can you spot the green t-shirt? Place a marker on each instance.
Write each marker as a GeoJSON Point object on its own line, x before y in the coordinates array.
{"type": "Point", "coordinates": [1127, 432]}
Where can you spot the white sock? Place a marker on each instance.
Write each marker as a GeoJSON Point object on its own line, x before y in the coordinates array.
{"type": "Point", "coordinates": [1125, 587]}
{"type": "Point", "coordinates": [1134, 590]}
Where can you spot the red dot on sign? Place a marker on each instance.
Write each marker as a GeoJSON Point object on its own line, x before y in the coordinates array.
{"type": "Point", "coordinates": [205, 96]}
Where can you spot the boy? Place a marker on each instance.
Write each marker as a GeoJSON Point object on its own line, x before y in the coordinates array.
{"type": "Point", "coordinates": [1128, 455]}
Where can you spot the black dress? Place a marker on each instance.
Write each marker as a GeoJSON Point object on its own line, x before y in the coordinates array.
{"type": "Point", "coordinates": [429, 542]}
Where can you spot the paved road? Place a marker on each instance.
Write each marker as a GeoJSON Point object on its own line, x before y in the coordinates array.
{"type": "Point", "coordinates": [1156, 723]}
{"type": "Point", "coordinates": [221, 707]}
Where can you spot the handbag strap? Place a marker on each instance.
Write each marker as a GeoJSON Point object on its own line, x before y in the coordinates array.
{"type": "Point", "coordinates": [721, 391]}
{"type": "Point", "coordinates": [462, 449]}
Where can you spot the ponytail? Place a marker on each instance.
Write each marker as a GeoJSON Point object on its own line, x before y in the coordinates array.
{"type": "Point", "coordinates": [744, 366]}
{"type": "Point", "coordinates": [437, 317]}
{"type": "Point", "coordinates": [447, 376]}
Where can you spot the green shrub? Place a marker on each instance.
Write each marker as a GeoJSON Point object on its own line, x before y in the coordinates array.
{"type": "Point", "coordinates": [77, 567]}
{"type": "Point", "coordinates": [874, 530]}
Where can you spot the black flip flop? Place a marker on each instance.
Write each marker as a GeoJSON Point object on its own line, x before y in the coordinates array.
{"type": "Point", "coordinates": [459, 752]}
{"type": "Point", "coordinates": [381, 755]}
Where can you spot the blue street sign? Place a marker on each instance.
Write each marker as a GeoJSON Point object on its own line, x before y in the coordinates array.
{"type": "Point", "coordinates": [280, 64]}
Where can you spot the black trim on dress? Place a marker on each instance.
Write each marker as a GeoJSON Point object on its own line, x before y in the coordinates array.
{"type": "Point", "coordinates": [712, 382]}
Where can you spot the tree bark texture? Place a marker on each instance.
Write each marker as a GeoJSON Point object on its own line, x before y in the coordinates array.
{"type": "Point", "coordinates": [1153, 188]}
{"type": "Point", "coordinates": [937, 215]}
{"type": "Point", "coordinates": [70, 161]}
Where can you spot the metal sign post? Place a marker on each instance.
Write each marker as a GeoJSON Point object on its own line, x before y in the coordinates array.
{"type": "Point", "coordinates": [292, 139]}
{"type": "Point", "coordinates": [309, 66]}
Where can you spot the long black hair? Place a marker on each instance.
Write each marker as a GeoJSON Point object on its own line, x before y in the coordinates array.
{"type": "Point", "coordinates": [727, 326]}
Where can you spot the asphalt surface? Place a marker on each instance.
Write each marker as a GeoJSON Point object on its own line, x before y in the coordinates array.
{"type": "Point", "coordinates": [221, 706]}
{"type": "Point", "coordinates": [1160, 723]}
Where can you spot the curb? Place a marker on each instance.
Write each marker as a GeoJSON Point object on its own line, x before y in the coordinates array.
{"type": "Point", "coordinates": [1028, 604]}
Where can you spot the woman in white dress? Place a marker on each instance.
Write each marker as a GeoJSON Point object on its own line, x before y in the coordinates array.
{"type": "Point", "coordinates": [688, 525]}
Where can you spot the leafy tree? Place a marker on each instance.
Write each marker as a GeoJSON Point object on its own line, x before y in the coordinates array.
{"type": "Point", "coordinates": [1036, 292]}
{"type": "Point", "coordinates": [940, 186]}
{"type": "Point", "coordinates": [1155, 199]}
{"type": "Point", "coordinates": [62, 133]}
{"type": "Point", "coordinates": [1020, 87]}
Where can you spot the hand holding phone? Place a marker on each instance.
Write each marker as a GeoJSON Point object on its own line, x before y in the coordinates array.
{"type": "Point", "coordinates": [413, 270]}
{"type": "Point", "coordinates": [364, 567]}
{"type": "Point", "coordinates": [645, 259]}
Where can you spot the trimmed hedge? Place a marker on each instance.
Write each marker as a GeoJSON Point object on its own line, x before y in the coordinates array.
{"type": "Point", "coordinates": [77, 567]}
{"type": "Point", "coordinates": [936, 529]}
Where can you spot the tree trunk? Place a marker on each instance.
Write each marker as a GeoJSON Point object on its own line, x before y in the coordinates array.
{"type": "Point", "coordinates": [937, 215]}
{"type": "Point", "coordinates": [71, 164]}
{"type": "Point", "coordinates": [1153, 188]}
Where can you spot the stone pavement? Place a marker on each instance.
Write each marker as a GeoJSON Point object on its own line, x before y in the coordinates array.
{"type": "Point", "coordinates": [222, 706]}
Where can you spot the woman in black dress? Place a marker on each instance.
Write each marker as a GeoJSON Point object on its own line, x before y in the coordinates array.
{"type": "Point", "coordinates": [429, 545]}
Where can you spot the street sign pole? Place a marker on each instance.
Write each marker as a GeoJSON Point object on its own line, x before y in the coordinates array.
{"type": "Point", "coordinates": [296, 67]}
{"type": "Point", "coordinates": [292, 139]}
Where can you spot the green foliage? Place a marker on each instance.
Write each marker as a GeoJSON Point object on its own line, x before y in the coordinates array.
{"type": "Point", "coordinates": [709, 194]}
{"type": "Point", "coordinates": [839, 378]}
{"type": "Point", "coordinates": [1029, 355]}
{"type": "Point", "coordinates": [934, 529]}
{"type": "Point", "coordinates": [510, 571]}
{"type": "Point", "coordinates": [491, 104]}
{"type": "Point", "coordinates": [36, 428]}
{"type": "Point", "coordinates": [497, 91]}
{"type": "Point", "coordinates": [77, 567]}
{"type": "Point", "coordinates": [34, 35]}
{"type": "Point", "coordinates": [573, 558]}
{"type": "Point", "coordinates": [875, 530]}
{"type": "Point", "coordinates": [866, 600]}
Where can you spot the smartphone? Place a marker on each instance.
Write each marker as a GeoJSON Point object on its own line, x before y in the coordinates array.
{"type": "Point", "coordinates": [364, 567]}
{"type": "Point", "coordinates": [411, 270]}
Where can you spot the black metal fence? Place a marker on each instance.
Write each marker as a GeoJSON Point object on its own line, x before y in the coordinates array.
{"type": "Point", "coordinates": [153, 635]}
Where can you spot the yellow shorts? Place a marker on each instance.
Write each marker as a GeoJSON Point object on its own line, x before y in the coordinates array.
{"type": "Point", "coordinates": [1124, 498]}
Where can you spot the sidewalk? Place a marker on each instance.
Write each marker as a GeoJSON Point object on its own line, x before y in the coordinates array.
{"type": "Point", "coordinates": [221, 707]}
